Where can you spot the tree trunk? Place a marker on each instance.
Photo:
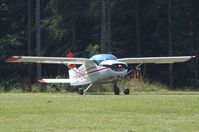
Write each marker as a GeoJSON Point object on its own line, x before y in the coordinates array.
{"type": "Point", "coordinates": [170, 44]}
{"type": "Point", "coordinates": [29, 42]}
{"type": "Point", "coordinates": [195, 26]}
{"type": "Point", "coordinates": [108, 27]}
{"type": "Point", "coordinates": [74, 48]}
{"type": "Point", "coordinates": [138, 29]}
{"type": "Point", "coordinates": [74, 21]}
{"type": "Point", "coordinates": [38, 35]}
{"type": "Point", "coordinates": [105, 27]}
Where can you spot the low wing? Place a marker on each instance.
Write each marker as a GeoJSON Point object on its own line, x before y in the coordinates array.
{"type": "Point", "coordinates": [156, 60]}
{"type": "Point", "coordinates": [49, 60]}
{"type": "Point", "coordinates": [55, 81]}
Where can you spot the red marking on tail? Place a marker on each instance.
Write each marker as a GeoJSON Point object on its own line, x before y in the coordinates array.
{"type": "Point", "coordinates": [69, 55]}
{"type": "Point", "coordinates": [70, 66]}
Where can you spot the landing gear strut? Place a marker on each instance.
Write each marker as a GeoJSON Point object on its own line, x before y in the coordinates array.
{"type": "Point", "coordinates": [81, 91]}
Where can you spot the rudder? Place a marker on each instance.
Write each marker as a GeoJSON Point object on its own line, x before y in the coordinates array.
{"type": "Point", "coordinates": [72, 69]}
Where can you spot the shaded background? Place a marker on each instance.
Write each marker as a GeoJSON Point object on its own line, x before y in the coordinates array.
{"type": "Point", "coordinates": [135, 28]}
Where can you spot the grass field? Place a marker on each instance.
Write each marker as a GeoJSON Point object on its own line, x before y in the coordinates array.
{"type": "Point", "coordinates": [65, 112]}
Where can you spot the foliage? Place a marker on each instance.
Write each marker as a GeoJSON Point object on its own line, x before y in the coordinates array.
{"type": "Point", "coordinates": [53, 25]}
{"type": "Point", "coordinates": [93, 49]}
{"type": "Point", "coordinates": [74, 25]}
{"type": "Point", "coordinates": [10, 43]}
{"type": "Point", "coordinates": [146, 86]}
{"type": "Point", "coordinates": [54, 88]}
{"type": "Point", "coordinates": [16, 90]}
{"type": "Point", "coordinates": [35, 89]}
{"type": "Point", "coordinates": [1, 88]}
{"type": "Point", "coordinates": [133, 86]}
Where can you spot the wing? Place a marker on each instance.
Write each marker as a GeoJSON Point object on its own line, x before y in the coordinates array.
{"type": "Point", "coordinates": [156, 60]}
{"type": "Point", "coordinates": [49, 60]}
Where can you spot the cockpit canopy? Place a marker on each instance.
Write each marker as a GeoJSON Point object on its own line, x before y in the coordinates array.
{"type": "Point", "coordinates": [102, 57]}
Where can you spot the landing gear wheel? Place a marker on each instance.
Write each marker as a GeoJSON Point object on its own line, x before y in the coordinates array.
{"type": "Point", "coordinates": [80, 91]}
{"type": "Point", "coordinates": [116, 90]}
{"type": "Point", "coordinates": [126, 91]}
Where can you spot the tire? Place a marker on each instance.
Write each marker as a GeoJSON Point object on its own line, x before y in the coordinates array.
{"type": "Point", "coordinates": [80, 91]}
{"type": "Point", "coordinates": [116, 90]}
{"type": "Point", "coordinates": [127, 91]}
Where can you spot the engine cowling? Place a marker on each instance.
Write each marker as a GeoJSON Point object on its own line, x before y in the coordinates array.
{"type": "Point", "coordinates": [114, 65]}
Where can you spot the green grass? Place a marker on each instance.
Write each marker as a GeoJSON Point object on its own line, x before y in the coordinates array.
{"type": "Point", "coordinates": [67, 112]}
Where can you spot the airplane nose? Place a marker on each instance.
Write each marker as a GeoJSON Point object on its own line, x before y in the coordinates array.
{"type": "Point", "coordinates": [119, 66]}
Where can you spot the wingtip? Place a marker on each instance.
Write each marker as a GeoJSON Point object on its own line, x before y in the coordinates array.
{"type": "Point", "coordinates": [41, 81]}
{"type": "Point", "coordinates": [12, 59]}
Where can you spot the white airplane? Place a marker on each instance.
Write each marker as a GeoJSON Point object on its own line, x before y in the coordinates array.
{"type": "Point", "coordinates": [99, 69]}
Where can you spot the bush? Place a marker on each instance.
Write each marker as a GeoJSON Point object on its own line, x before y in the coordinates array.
{"type": "Point", "coordinates": [16, 90]}
{"type": "Point", "coordinates": [143, 86]}
{"type": "Point", "coordinates": [57, 88]}
{"type": "Point", "coordinates": [35, 88]}
{"type": "Point", "coordinates": [100, 88]}
{"type": "Point", "coordinates": [1, 89]}
{"type": "Point", "coordinates": [138, 85]}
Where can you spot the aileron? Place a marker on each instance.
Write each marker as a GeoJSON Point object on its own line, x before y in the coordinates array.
{"type": "Point", "coordinates": [156, 60]}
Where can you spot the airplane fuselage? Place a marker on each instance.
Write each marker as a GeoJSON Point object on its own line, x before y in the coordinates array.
{"type": "Point", "coordinates": [107, 70]}
{"type": "Point", "coordinates": [98, 74]}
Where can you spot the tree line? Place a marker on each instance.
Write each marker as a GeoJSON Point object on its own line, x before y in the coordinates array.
{"type": "Point", "coordinates": [129, 28]}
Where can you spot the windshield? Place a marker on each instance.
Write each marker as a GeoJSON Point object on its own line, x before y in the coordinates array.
{"type": "Point", "coordinates": [102, 57]}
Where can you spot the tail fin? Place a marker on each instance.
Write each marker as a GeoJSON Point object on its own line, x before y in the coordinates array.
{"type": "Point", "coordinates": [72, 69]}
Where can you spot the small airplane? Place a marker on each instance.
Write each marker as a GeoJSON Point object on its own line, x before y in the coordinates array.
{"type": "Point", "coordinates": [99, 69]}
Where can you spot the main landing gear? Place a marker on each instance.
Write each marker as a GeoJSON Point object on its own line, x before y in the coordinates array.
{"type": "Point", "coordinates": [126, 91]}
{"type": "Point", "coordinates": [81, 91]}
{"type": "Point", "coordinates": [116, 90]}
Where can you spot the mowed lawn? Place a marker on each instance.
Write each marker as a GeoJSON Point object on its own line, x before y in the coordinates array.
{"type": "Point", "coordinates": [65, 112]}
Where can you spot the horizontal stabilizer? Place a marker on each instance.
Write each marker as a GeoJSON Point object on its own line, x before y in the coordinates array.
{"type": "Point", "coordinates": [156, 60]}
{"type": "Point", "coordinates": [55, 81]}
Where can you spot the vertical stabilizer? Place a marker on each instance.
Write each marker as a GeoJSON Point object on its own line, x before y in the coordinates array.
{"type": "Point", "coordinates": [72, 69]}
